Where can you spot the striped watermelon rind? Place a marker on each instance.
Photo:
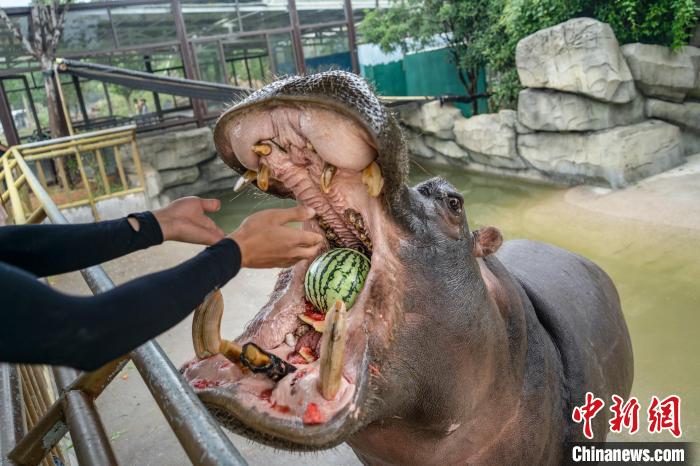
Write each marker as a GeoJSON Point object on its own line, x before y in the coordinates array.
{"type": "Point", "coordinates": [336, 274]}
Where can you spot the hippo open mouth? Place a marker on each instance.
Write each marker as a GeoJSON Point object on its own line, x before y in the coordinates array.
{"type": "Point", "coordinates": [298, 378]}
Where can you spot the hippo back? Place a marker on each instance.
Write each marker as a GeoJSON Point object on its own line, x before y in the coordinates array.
{"type": "Point", "coordinates": [577, 304]}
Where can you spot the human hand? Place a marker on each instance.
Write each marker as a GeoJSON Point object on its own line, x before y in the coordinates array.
{"type": "Point", "coordinates": [184, 220]}
{"type": "Point", "coordinates": [265, 241]}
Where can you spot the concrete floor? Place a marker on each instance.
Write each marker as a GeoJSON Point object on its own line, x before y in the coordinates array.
{"type": "Point", "coordinates": [140, 434]}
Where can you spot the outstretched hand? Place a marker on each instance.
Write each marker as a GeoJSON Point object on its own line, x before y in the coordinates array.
{"type": "Point", "coordinates": [185, 220]}
{"type": "Point", "coordinates": [265, 240]}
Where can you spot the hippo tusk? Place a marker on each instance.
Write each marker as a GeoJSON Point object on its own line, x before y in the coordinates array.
{"type": "Point", "coordinates": [372, 178]}
{"type": "Point", "coordinates": [206, 337]}
{"type": "Point", "coordinates": [264, 177]}
{"type": "Point", "coordinates": [206, 330]}
{"type": "Point", "coordinates": [333, 350]}
{"type": "Point", "coordinates": [244, 180]}
{"type": "Point", "coordinates": [327, 177]}
{"type": "Point", "coordinates": [262, 149]}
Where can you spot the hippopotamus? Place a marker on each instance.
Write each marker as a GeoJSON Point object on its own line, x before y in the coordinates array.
{"type": "Point", "coordinates": [460, 349]}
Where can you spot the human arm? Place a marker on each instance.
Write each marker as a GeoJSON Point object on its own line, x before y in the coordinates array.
{"type": "Point", "coordinates": [53, 249]}
{"type": "Point", "coordinates": [42, 325]}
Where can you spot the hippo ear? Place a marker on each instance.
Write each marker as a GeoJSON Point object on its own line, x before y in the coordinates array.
{"type": "Point", "coordinates": [487, 240]}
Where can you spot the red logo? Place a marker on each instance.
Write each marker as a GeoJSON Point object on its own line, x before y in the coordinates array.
{"type": "Point", "coordinates": [587, 412]}
{"type": "Point", "coordinates": [624, 415]}
{"type": "Point", "coordinates": [665, 415]}
{"type": "Point", "coordinates": [662, 414]}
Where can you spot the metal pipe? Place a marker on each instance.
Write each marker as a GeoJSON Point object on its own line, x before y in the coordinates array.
{"type": "Point", "coordinates": [352, 42]}
{"type": "Point", "coordinates": [31, 448]}
{"type": "Point", "coordinates": [89, 437]}
{"type": "Point", "coordinates": [199, 434]}
{"type": "Point", "coordinates": [6, 120]}
{"type": "Point", "coordinates": [17, 210]}
{"type": "Point", "coordinates": [11, 419]}
{"type": "Point", "coordinates": [296, 37]}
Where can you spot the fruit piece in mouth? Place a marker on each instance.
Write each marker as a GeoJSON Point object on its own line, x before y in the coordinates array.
{"type": "Point", "coordinates": [324, 160]}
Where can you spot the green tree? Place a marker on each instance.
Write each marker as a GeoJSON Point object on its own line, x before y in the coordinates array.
{"type": "Point", "coordinates": [47, 19]}
{"type": "Point", "coordinates": [485, 33]}
{"type": "Point", "coordinates": [412, 25]}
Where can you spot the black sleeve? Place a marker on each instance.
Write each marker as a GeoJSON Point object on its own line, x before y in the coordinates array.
{"type": "Point", "coordinates": [52, 249]}
{"type": "Point", "coordinates": [42, 325]}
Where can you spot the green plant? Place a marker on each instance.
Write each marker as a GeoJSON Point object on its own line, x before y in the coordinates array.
{"type": "Point", "coordinates": [461, 25]}
{"type": "Point", "coordinates": [486, 33]}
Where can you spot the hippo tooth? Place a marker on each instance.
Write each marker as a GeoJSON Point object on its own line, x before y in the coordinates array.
{"type": "Point", "coordinates": [290, 339]}
{"type": "Point", "coordinates": [372, 178]}
{"type": "Point", "coordinates": [206, 326]}
{"type": "Point", "coordinates": [333, 350]}
{"type": "Point", "coordinates": [327, 177]}
{"type": "Point", "coordinates": [262, 149]}
{"type": "Point", "coordinates": [264, 177]}
{"type": "Point", "coordinates": [310, 146]}
{"type": "Point", "coordinates": [244, 180]}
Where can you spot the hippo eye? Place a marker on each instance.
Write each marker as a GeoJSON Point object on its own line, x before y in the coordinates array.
{"type": "Point", "coordinates": [455, 204]}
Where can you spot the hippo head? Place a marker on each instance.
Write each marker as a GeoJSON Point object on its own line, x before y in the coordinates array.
{"type": "Point", "coordinates": [326, 141]}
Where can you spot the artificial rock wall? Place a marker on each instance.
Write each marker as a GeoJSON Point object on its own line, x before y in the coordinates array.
{"type": "Point", "coordinates": [180, 163]}
{"type": "Point", "coordinates": [591, 112]}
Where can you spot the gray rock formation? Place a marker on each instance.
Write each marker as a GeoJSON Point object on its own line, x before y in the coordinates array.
{"type": "Point", "coordinates": [490, 138]}
{"type": "Point", "coordinates": [545, 110]}
{"type": "Point", "coordinates": [446, 147]}
{"type": "Point", "coordinates": [431, 118]}
{"type": "Point", "coordinates": [178, 176]}
{"type": "Point", "coordinates": [177, 149]}
{"type": "Point", "coordinates": [416, 145]}
{"type": "Point", "coordinates": [580, 55]}
{"type": "Point", "coordinates": [618, 156]}
{"type": "Point", "coordinates": [661, 72]}
{"type": "Point", "coordinates": [215, 169]}
{"type": "Point", "coordinates": [201, 186]}
{"type": "Point", "coordinates": [686, 114]}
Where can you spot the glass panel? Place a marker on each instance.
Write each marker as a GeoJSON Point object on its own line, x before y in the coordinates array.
{"type": "Point", "coordinates": [257, 16]}
{"type": "Point", "coordinates": [326, 49]}
{"type": "Point", "coordinates": [314, 12]}
{"type": "Point", "coordinates": [86, 30]}
{"type": "Point", "coordinates": [282, 54]}
{"type": "Point", "coordinates": [144, 24]}
{"type": "Point", "coordinates": [208, 62]}
{"type": "Point", "coordinates": [247, 61]}
{"type": "Point", "coordinates": [203, 20]}
{"type": "Point", "coordinates": [21, 97]}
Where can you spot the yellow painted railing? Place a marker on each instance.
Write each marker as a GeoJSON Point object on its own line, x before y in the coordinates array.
{"type": "Point", "coordinates": [84, 169]}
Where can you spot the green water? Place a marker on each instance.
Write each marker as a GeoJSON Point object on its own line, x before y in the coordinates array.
{"type": "Point", "coordinates": [656, 270]}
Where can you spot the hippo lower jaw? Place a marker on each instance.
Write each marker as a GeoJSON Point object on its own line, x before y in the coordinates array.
{"type": "Point", "coordinates": [290, 146]}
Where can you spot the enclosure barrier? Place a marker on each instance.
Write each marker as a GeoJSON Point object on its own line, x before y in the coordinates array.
{"type": "Point", "coordinates": [82, 170]}
{"type": "Point", "coordinates": [39, 405]}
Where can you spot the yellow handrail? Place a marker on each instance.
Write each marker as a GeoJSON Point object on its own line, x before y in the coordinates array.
{"type": "Point", "coordinates": [88, 186]}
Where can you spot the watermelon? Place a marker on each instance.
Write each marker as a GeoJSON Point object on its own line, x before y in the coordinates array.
{"type": "Point", "coordinates": [336, 274]}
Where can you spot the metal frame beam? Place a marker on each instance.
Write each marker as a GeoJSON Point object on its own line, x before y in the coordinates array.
{"type": "Point", "coordinates": [296, 37]}
{"type": "Point", "coordinates": [187, 57]}
{"type": "Point", "coordinates": [11, 418]}
{"type": "Point", "coordinates": [352, 40]}
{"type": "Point", "coordinates": [8, 123]}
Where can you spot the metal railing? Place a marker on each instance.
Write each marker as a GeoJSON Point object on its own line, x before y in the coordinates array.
{"type": "Point", "coordinates": [27, 395]}
{"type": "Point", "coordinates": [84, 169]}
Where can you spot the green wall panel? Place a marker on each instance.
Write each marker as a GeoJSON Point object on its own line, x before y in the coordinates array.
{"type": "Point", "coordinates": [423, 73]}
